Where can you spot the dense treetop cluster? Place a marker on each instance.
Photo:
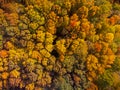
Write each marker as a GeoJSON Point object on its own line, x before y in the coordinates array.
{"type": "Point", "coordinates": [59, 45]}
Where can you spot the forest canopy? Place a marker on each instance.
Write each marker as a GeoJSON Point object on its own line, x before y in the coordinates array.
{"type": "Point", "coordinates": [59, 44]}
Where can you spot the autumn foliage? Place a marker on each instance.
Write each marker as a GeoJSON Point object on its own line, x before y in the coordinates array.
{"type": "Point", "coordinates": [59, 44]}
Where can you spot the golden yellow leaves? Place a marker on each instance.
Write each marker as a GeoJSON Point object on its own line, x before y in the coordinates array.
{"type": "Point", "coordinates": [83, 12]}
{"type": "Point", "coordinates": [103, 58]}
{"type": "Point", "coordinates": [60, 46]}
{"type": "Point", "coordinates": [49, 47]}
{"type": "Point", "coordinates": [39, 46]}
{"type": "Point", "coordinates": [85, 26]}
{"type": "Point", "coordinates": [33, 26]}
{"type": "Point", "coordinates": [98, 64]}
{"type": "Point", "coordinates": [45, 53]}
{"type": "Point", "coordinates": [8, 45]}
{"type": "Point", "coordinates": [52, 15]}
{"type": "Point", "coordinates": [36, 55]}
{"type": "Point", "coordinates": [30, 87]}
{"type": "Point", "coordinates": [48, 42]}
{"type": "Point", "coordinates": [82, 49]}
{"type": "Point", "coordinates": [14, 73]}
{"type": "Point", "coordinates": [40, 36]}
{"type": "Point", "coordinates": [93, 10]}
{"type": "Point", "coordinates": [1, 69]}
{"type": "Point", "coordinates": [109, 37]}
{"type": "Point", "coordinates": [30, 45]}
{"type": "Point", "coordinates": [92, 62]}
{"type": "Point", "coordinates": [79, 47]}
{"type": "Point", "coordinates": [45, 62]}
{"type": "Point", "coordinates": [51, 26]}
